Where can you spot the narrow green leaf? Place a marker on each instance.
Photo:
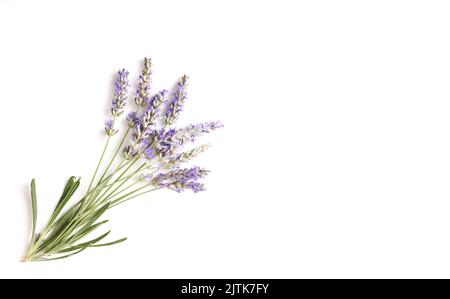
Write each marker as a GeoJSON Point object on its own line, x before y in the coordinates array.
{"type": "Point", "coordinates": [56, 228]}
{"type": "Point", "coordinates": [67, 187]}
{"type": "Point", "coordinates": [110, 243]}
{"type": "Point", "coordinates": [59, 226]}
{"type": "Point", "coordinates": [34, 209]}
{"type": "Point", "coordinates": [71, 186]}
{"type": "Point", "coordinates": [71, 231]}
{"type": "Point", "coordinates": [85, 244]}
{"type": "Point", "coordinates": [90, 219]}
{"type": "Point", "coordinates": [36, 237]}
{"type": "Point", "coordinates": [59, 257]}
{"type": "Point", "coordinates": [85, 231]}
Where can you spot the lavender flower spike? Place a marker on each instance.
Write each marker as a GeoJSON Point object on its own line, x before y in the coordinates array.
{"type": "Point", "coordinates": [119, 100]}
{"type": "Point", "coordinates": [149, 117]}
{"type": "Point", "coordinates": [109, 127]}
{"type": "Point", "coordinates": [191, 132]}
{"type": "Point", "coordinates": [187, 156]}
{"type": "Point", "coordinates": [143, 127]}
{"type": "Point", "coordinates": [132, 119]}
{"type": "Point", "coordinates": [181, 179]}
{"type": "Point", "coordinates": [142, 92]}
{"type": "Point", "coordinates": [176, 105]}
{"type": "Point", "coordinates": [120, 94]}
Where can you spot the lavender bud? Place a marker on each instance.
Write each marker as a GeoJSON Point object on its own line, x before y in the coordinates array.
{"type": "Point", "coordinates": [187, 155]}
{"type": "Point", "coordinates": [132, 119]}
{"type": "Point", "coordinates": [146, 177]}
{"type": "Point", "coordinates": [109, 127]}
{"type": "Point", "coordinates": [140, 133]}
{"type": "Point", "coordinates": [163, 141]}
{"type": "Point", "coordinates": [195, 186]}
{"type": "Point", "coordinates": [149, 153]}
{"type": "Point", "coordinates": [120, 93]}
{"type": "Point", "coordinates": [181, 179]}
{"type": "Point", "coordinates": [191, 132]}
{"type": "Point", "coordinates": [129, 152]}
{"type": "Point", "coordinates": [176, 104]}
{"type": "Point", "coordinates": [142, 92]}
{"type": "Point", "coordinates": [149, 117]}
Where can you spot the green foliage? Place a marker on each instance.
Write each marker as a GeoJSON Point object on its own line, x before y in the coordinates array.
{"type": "Point", "coordinates": [63, 235]}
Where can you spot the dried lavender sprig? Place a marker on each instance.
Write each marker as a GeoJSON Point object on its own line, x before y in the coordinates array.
{"type": "Point", "coordinates": [195, 130]}
{"type": "Point", "coordinates": [143, 126]}
{"type": "Point", "coordinates": [120, 96]}
{"type": "Point", "coordinates": [181, 179]}
{"type": "Point", "coordinates": [142, 92]}
{"type": "Point", "coordinates": [191, 132]}
{"type": "Point", "coordinates": [176, 105]}
{"type": "Point", "coordinates": [150, 116]}
{"type": "Point", "coordinates": [162, 141]}
{"type": "Point", "coordinates": [132, 119]}
{"type": "Point", "coordinates": [167, 141]}
{"type": "Point", "coordinates": [187, 156]}
{"type": "Point", "coordinates": [117, 105]}
{"type": "Point", "coordinates": [176, 183]}
{"type": "Point", "coordinates": [109, 127]}
{"type": "Point", "coordinates": [160, 153]}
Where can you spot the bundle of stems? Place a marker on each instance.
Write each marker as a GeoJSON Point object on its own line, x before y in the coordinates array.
{"type": "Point", "coordinates": [150, 161]}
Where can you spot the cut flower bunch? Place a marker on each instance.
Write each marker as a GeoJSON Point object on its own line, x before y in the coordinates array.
{"type": "Point", "coordinates": [148, 156]}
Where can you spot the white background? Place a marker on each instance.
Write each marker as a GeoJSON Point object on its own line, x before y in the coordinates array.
{"type": "Point", "coordinates": [335, 156]}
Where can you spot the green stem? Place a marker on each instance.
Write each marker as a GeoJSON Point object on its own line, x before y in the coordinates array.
{"type": "Point", "coordinates": [99, 163]}
{"type": "Point", "coordinates": [117, 202]}
{"type": "Point", "coordinates": [100, 186]}
{"type": "Point", "coordinates": [129, 193]}
{"type": "Point", "coordinates": [120, 146]}
{"type": "Point", "coordinates": [113, 194]}
{"type": "Point", "coordinates": [123, 182]}
{"type": "Point", "coordinates": [87, 197]}
{"type": "Point", "coordinates": [97, 199]}
{"type": "Point", "coordinates": [116, 152]}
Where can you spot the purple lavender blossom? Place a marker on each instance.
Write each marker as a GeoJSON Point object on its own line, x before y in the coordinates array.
{"type": "Point", "coordinates": [150, 116]}
{"type": "Point", "coordinates": [119, 100]}
{"type": "Point", "coordinates": [142, 92]}
{"type": "Point", "coordinates": [147, 177]}
{"type": "Point", "coordinates": [139, 134]}
{"type": "Point", "coordinates": [187, 156]}
{"type": "Point", "coordinates": [180, 179]}
{"type": "Point", "coordinates": [149, 153]}
{"type": "Point", "coordinates": [120, 94]}
{"type": "Point", "coordinates": [178, 99]}
{"type": "Point", "coordinates": [109, 127]}
{"type": "Point", "coordinates": [191, 132]}
{"type": "Point", "coordinates": [143, 127]}
{"type": "Point", "coordinates": [163, 141]}
{"type": "Point", "coordinates": [195, 186]}
{"type": "Point", "coordinates": [168, 141]}
{"type": "Point", "coordinates": [139, 139]}
{"type": "Point", "coordinates": [132, 119]}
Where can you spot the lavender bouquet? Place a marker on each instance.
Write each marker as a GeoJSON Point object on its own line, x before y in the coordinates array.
{"type": "Point", "coordinates": [148, 157]}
